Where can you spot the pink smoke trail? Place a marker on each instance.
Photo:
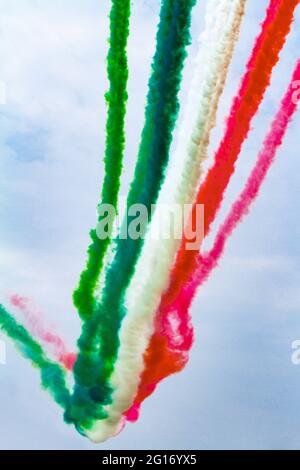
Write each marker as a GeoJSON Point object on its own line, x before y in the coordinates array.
{"type": "Point", "coordinates": [207, 262]}
{"type": "Point", "coordinates": [34, 323]}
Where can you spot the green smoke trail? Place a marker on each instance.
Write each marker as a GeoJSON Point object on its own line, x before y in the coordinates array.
{"type": "Point", "coordinates": [99, 341]}
{"type": "Point", "coordinates": [116, 99]}
{"type": "Point", "coordinates": [52, 375]}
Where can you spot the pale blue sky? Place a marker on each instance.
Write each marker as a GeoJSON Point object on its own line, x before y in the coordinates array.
{"type": "Point", "coordinates": [240, 389]}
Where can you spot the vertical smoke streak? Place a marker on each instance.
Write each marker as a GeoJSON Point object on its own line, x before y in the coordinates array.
{"type": "Point", "coordinates": [52, 375]}
{"type": "Point", "coordinates": [222, 25]}
{"type": "Point", "coordinates": [99, 341]}
{"type": "Point", "coordinates": [166, 350]}
{"type": "Point", "coordinates": [116, 99]}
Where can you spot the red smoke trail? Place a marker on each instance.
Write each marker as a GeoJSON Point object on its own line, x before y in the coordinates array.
{"type": "Point", "coordinates": [240, 208]}
{"type": "Point", "coordinates": [208, 261]}
{"type": "Point", "coordinates": [168, 352]}
{"type": "Point", "coordinates": [34, 324]}
{"type": "Point", "coordinates": [264, 57]}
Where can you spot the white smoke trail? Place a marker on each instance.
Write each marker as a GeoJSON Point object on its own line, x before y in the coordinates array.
{"type": "Point", "coordinates": [222, 25]}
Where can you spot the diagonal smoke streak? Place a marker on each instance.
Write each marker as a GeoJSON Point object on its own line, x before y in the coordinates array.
{"type": "Point", "coordinates": [263, 59]}
{"type": "Point", "coordinates": [34, 324]}
{"type": "Point", "coordinates": [52, 375]}
{"type": "Point", "coordinates": [168, 350]}
{"type": "Point", "coordinates": [208, 261]}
